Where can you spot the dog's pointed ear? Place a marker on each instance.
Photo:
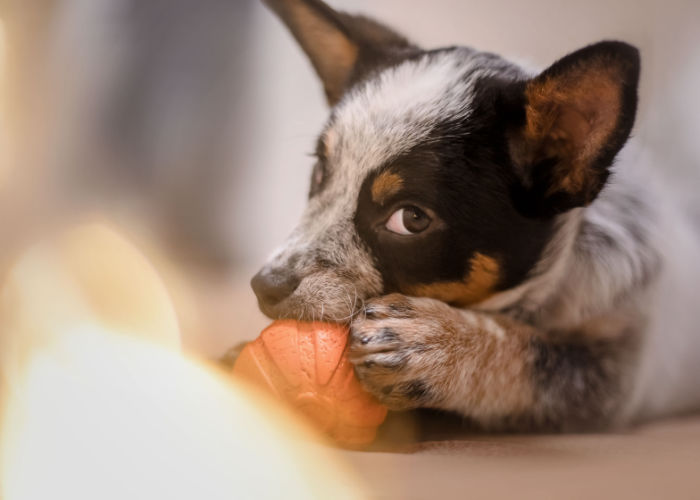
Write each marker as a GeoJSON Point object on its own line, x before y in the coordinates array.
{"type": "Point", "coordinates": [574, 118]}
{"type": "Point", "coordinates": [341, 47]}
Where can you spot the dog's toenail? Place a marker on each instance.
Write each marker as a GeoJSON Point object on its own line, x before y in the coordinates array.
{"type": "Point", "coordinates": [368, 364]}
{"type": "Point", "coordinates": [364, 340]}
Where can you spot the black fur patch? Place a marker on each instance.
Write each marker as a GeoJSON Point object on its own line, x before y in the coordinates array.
{"type": "Point", "coordinates": [462, 173]}
{"type": "Point", "coordinates": [415, 390]}
{"type": "Point", "coordinates": [579, 384]}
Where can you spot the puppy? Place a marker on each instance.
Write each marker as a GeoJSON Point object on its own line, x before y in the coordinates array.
{"type": "Point", "coordinates": [463, 219]}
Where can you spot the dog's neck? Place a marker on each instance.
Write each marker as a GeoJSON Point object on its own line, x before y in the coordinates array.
{"type": "Point", "coordinates": [599, 254]}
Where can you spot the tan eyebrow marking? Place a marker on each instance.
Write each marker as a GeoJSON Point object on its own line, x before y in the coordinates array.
{"type": "Point", "coordinates": [385, 185]}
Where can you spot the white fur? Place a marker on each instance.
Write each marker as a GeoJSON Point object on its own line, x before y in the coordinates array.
{"type": "Point", "coordinates": [384, 117]}
{"type": "Point", "coordinates": [374, 123]}
{"type": "Point", "coordinates": [667, 379]}
{"type": "Point", "coordinates": [579, 285]}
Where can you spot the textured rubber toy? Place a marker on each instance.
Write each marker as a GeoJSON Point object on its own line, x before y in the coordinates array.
{"type": "Point", "coordinates": [305, 365]}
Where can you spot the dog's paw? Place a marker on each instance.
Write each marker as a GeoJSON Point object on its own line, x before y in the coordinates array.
{"type": "Point", "coordinates": [403, 349]}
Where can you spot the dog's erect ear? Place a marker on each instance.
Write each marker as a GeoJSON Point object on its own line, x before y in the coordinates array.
{"type": "Point", "coordinates": [575, 117]}
{"type": "Point", "coordinates": [341, 47]}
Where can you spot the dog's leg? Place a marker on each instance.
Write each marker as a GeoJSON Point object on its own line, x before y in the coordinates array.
{"type": "Point", "coordinates": [418, 352]}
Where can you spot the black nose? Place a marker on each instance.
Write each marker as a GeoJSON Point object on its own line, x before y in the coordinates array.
{"type": "Point", "coordinates": [272, 287]}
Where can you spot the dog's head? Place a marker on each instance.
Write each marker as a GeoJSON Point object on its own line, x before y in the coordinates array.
{"type": "Point", "coordinates": [439, 173]}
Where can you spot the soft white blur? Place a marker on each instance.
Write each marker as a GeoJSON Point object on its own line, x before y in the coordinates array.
{"type": "Point", "coordinates": [98, 401]}
{"type": "Point", "coordinates": [97, 415]}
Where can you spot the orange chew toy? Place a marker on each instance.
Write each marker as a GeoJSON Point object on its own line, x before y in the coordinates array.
{"type": "Point", "coordinates": [305, 365]}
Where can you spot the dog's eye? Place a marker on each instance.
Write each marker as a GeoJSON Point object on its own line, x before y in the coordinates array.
{"type": "Point", "coordinates": [408, 220]}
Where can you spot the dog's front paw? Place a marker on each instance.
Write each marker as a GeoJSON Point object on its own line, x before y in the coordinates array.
{"type": "Point", "coordinates": [403, 350]}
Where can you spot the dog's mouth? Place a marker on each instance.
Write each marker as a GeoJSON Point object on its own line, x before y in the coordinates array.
{"type": "Point", "coordinates": [309, 309]}
{"type": "Point", "coordinates": [317, 299]}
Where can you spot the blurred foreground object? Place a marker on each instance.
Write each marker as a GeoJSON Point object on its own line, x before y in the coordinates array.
{"type": "Point", "coordinates": [98, 401]}
{"type": "Point", "coordinates": [88, 275]}
{"type": "Point", "coordinates": [305, 365]}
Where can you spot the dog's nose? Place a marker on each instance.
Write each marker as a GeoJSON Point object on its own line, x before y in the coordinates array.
{"type": "Point", "coordinates": [272, 287]}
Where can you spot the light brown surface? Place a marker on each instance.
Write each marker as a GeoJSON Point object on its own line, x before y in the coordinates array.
{"type": "Point", "coordinates": [660, 460]}
{"type": "Point", "coordinates": [656, 461]}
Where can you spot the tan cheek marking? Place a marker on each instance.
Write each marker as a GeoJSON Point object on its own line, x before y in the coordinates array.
{"type": "Point", "coordinates": [479, 284]}
{"type": "Point", "coordinates": [385, 185]}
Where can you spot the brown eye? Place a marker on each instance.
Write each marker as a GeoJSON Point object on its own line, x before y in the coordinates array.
{"type": "Point", "coordinates": [408, 220]}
